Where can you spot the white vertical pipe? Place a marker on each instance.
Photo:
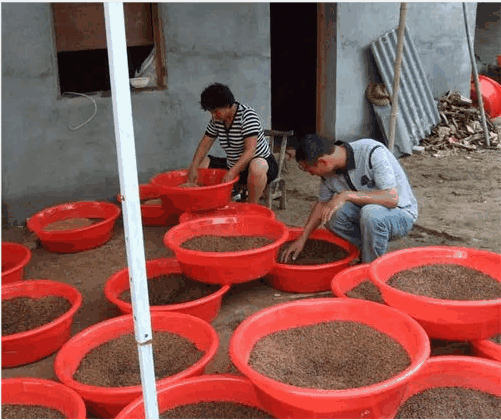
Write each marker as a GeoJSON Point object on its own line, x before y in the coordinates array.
{"type": "Point", "coordinates": [124, 133]}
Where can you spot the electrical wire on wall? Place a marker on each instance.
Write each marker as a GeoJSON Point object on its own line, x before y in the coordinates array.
{"type": "Point", "coordinates": [74, 128]}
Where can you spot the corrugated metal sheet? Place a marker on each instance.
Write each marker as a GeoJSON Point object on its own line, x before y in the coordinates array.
{"type": "Point", "coordinates": [416, 107]}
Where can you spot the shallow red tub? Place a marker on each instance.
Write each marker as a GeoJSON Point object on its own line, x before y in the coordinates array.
{"type": "Point", "coordinates": [109, 401]}
{"type": "Point", "coordinates": [451, 320]}
{"type": "Point", "coordinates": [227, 267]}
{"type": "Point", "coordinates": [213, 193]}
{"type": "Point", "coordinates": [311, 278]}
{"type": "Point", "coordinates": [162, 214]}
{"type": "Point", "coordinates": [75, 240]}
{"type": "Point", "coordinates": [487, 349]}
{"type": "Point", "coordinates": [380, 400]}
{"type": "Point", "coordinates": [49, 394]}
{"type": "Point", "coordinates": [32, 345]}
{"type": "Point", "coordinates": [14, 258]}
{"type": "Point", "coordinates": [205, 308]}
{"type": "Point", "coordinates": [206, 388]}
{"type": "Point", "coordinates": [232, 209]}
{"type": "Point", "coordinates": [458, 371]}
{"type": "Point", "coordinates": [348, 279]}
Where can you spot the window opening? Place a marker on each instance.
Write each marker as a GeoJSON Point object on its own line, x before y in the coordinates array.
{"type": "Point", "coordinates": [82, 55]}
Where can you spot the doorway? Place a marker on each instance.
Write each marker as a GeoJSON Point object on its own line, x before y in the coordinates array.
{"type": "Point", "coordinates": [293, 33]}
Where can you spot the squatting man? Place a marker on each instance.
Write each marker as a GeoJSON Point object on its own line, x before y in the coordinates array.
{"type": "Point", "coordinates": [365, 196]}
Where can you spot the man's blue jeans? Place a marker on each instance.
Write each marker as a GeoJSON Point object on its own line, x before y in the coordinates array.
{"type": "Point", "coordinates": [370, 227]}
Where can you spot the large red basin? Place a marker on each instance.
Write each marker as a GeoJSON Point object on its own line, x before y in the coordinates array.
{"type": "Point", "coordinates": [451, 320]}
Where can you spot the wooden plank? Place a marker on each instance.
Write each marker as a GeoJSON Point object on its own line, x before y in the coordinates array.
{"type": "Point", "coordinates": [80, 26]}
{"type": "Point", "coordinates": [322, 45]}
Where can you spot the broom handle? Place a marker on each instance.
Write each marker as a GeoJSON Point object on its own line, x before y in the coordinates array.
{"type": "Point", "coordinates": [475, 79]}
{"type": "Point", "coordinates": [396, 77]}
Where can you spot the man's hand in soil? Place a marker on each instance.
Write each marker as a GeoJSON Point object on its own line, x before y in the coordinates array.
{"type": "Point", "coordinates": [293, 251]}
{"type": "Point", "coordinates": [192, 175]}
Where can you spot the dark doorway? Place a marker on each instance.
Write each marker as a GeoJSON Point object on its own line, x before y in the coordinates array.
{"type": "Point", "coordinates": [293, 28]}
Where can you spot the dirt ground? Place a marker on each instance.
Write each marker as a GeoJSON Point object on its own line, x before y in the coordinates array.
{"type": "Point", "coordinates": [459, 202]}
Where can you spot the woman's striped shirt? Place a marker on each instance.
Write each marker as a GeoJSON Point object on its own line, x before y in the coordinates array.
{"type": "Point", "coordinates": [245, 124]}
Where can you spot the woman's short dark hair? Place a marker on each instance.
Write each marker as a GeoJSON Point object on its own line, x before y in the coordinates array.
{"type": "Point", "coordinates": [312, 146]}
{"type": "Point", "coordinates": [215, 96]}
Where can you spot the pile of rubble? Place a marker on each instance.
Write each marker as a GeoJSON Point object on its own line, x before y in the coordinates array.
{"type": "Point", "coordinates": [460, 127]}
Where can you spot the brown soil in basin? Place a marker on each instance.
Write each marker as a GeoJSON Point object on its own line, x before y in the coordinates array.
{"type": "Point", "coordinates": [151, 202]}
{"type": "Point", "coordinates": [73, 223]}
{"type": "Point", "coordinates": [23, 314]}
{"type": "Point", "coordinates": [174, 288]}
{"type": "Point", "coordinates": [21, 411]}
{"type": "Point", "coordinates": [215, 410]}
{"type": "Point", "coordinates": [116, 362]}
{"type": "Point", "coordinates": [451, 403]}
{"type": "Point", "coordinates": [329, 355]}
{"type": "Point", "coordinates": [445, 347]}
{"type": "Point", "coordinates": [190, 185]}
{"type": "Point", "coordinates": [447, 281]}
{"type": "Point", "coordinates": [211, 243]}
{"type": "Point", "coordinates": [366, 290]}
{"type": "Point", "coordinates": [316, 251]}
{"type": "Point", "coordinates": [496, 339]}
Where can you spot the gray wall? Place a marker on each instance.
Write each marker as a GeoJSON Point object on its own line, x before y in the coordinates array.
{"type": "Point", "coordinates": [488, 32]}
{"type": "Point", "coordinates": [43, 162]}
{"type": "Point", "coordinates": [438, 30]}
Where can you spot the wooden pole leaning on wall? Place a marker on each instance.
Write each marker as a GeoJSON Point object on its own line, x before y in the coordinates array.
{"type": "Point", "coordinates": [396, 76]}
{"type": "Point", "coordinates": [475, 78]}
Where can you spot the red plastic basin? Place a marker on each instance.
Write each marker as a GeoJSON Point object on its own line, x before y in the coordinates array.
{"type": "Point", "coordinates": [487, 349]}
{"type": "Point", "coordinates": [32, 345]}
{"type": "Point", "coordinates": [109, 401]}
{"type": "Point", "coordinates": [311, 278]}
{"type": "Point", "coordinates": [206, 388]}
{"type": "Point", "coordinates": [491, 95]}
{"type": "Point", "coordinates": [463, 371]}
{"type": "Point", "coordinates": [50, 394]}
{"type": "Point", "coordinates": [446, 319]}
{"type": "Point", "coordinates": [227, 267]}
{"type": "Point", "coordinates": [14, 258]}
{"type": "Point", "coordinates": [375, 401]}
{"type": "Point", "coordinates": [205, 308]}
{"type": "Point", "coordinates": [232, 209]}
{"type": "Point", "coordinates": [348, 279]}
{"type": "Point", "coordinates": [163, 214]}
{"type": "Point", "coordinates": [212, 195]}
{"type": "Point", "coordinates": [75, 240]}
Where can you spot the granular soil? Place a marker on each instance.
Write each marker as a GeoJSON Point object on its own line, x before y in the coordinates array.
{"type": "Point", "coordinates": [73, 223]}
{"type": "Point", "coordinates": [496, 339]}
{"type": "Point", "coordinates": [211, 243]}
{"type": "Point", "coordinates": [174, 288]}
{"type": "Point", "coordinates": [451, 403]}
{"type": "Point", "coordinates": [151, 202]}
{"type": "Point", "coordinates": [215, 410]}
{"type": "Point", "coordinates": [23, 314]}
{"type": "Point", "coordinates": [190, 185]}
{"type": "Point", "coordinates": [445, 347]}
{"type": "Point", "coordinates": [447, 281]}
{"type": "Point", "coordinates": [316, 251]}
{"type": "Point", "coordinates": [116, 362]}
{"type": "Point", "coordinates": [366, 290]}
{"type": "Point", "coordinates": [329, 355]}
{"type": "Point", "coordinates": [22, 411]}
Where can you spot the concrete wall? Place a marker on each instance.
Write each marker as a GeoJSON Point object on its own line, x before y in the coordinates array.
{"type": "Point", "coordinates": [438, 30]}
{"type": "Point", "coordinates": [488, 32]}
{"type": "Point", "coordinates": [44, 162]}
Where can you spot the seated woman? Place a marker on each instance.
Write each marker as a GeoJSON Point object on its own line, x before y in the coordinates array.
{"type": "Point", "coordinates": [241, 136]}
